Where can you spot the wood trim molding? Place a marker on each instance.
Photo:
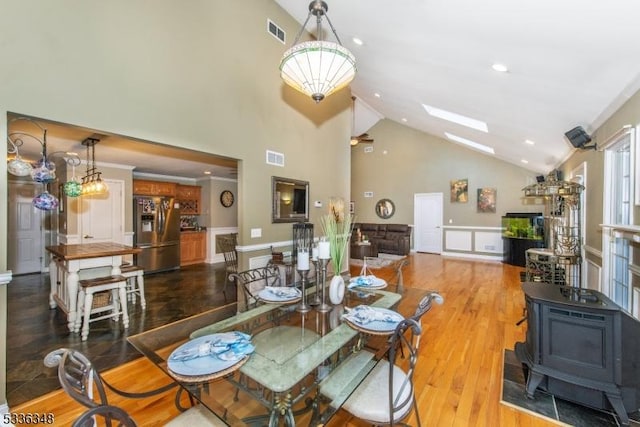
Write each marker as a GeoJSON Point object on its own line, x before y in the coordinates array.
{"type": "Point", "coordinates": [593, 251]}
{"type": "Point", "coordinates": [5, 277]}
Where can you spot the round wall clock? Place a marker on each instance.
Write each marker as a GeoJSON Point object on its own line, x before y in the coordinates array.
{"type": "Point", "coordinates": [226, 198]}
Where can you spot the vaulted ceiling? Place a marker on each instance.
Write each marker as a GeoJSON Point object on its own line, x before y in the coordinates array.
{"type": "Point", "coordinates": [569, 63]}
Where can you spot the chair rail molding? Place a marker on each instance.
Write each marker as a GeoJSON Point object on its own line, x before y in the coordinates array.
{"type": "Point", "coordinates": [473, 242]}
{"type": "Point", "coordinates": [5, 277]}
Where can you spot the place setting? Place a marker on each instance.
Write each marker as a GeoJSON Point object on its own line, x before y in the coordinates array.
{"type": "Point", "coordinates": [210, 356]}
{"type": "Point", "coordinates": [366, 282]}
{"type": "Point", "coordinates": [280, 294]}
{"type": "Point", "coordinates": [372, 320]}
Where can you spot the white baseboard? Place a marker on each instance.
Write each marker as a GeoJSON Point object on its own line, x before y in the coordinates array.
{"type": "Point", "coordinates": [472, 256]}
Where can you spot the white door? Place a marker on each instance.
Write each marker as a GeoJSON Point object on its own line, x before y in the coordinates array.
{"type": "Point", "coordinates": [24, 246]}
{"type": "Point", "coordinates": [101, 217]}
{"type": "Point", "coordinates": [427, 220]}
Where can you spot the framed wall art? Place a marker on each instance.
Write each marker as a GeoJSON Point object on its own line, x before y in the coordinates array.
{"type": "Point", "coordinates": [487, 200]}
{"type": "Point", "coordinates": [460, 191]}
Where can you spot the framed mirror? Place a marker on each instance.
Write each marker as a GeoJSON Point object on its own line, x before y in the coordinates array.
{"type": "Point", "coordinates": [289, 200]}
{"type": "Point", "coordinates": [385, 208]}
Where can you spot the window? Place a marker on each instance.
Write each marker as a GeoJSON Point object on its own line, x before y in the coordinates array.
{"type": "Point", "coordinates": [618, 210]}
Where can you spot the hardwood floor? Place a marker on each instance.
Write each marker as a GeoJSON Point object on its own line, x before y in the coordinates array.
{"type": "Point", "coordinates": [34, 330]}
{"type": "Point", "coordinates": [459, 377]}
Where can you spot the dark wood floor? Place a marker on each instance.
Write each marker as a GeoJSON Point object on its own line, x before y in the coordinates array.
{"type": "Point", "coordinates": [34, 330]}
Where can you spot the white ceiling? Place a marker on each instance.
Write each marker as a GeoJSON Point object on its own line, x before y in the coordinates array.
{"type": "Point", "coordinates": [571, 62]}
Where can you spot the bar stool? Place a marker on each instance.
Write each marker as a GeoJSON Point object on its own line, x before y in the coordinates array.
{"type": "Point", "coordinates": [107, 309]}
{"type": "Point", "coordinates": [135, 283]}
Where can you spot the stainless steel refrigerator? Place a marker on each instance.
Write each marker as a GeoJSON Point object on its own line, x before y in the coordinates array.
{"type": "Point", "coordinates": [157, 233]}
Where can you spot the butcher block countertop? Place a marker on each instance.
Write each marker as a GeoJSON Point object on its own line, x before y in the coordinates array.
{"type": "Point", "coordinates": [91, 250]}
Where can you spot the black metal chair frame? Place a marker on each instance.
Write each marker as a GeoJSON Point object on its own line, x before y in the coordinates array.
{"type": "Point", "coordinates": [270, 275]}
{"type": "Point", "coordinates": [79, 379]}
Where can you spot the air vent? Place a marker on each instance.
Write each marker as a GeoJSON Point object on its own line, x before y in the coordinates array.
{"type": "Point", "coordinates": [368, 149]}
{"type": "Point", "coordinates": [276, 31]}
{"type": "Point", "coordinates": [276, 159]}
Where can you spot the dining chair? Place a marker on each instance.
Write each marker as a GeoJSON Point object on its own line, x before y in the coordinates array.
{"type": "Point", "coordinates": [386, 395]}
{"type": "Point", "coordinates": [254, 280]}
{"type": "Point", "coordinates": [83, 383]}
{"type": "Point", "coordinates": [227, 245]}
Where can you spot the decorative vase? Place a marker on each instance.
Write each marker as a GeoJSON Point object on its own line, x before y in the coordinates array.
{"type": "Point", "coordinates": [336, 289]}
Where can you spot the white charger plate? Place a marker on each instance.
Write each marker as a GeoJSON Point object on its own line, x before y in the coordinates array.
{"type": "Point", "coordinates": [377, 283]}
{"type": "Point", "coordinates": [377, 326]}
{"type": "Point", "coordinates": [267, 296]}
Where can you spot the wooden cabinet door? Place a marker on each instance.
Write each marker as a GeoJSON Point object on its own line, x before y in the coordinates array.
{"type": "Point", "coordinates": [193, 248]}
{"type": "Point", "coordinates": [143, 188]}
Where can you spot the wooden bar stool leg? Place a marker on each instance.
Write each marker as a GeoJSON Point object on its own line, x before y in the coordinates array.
{"type": "Point", "coordinates": [88, 302]}
{"type": "Point", "coordinates": [80, 307]}
{"type": "Point", "coordinates": [140, 281]}
{"type": "Point", "coordinates": [122, 301]}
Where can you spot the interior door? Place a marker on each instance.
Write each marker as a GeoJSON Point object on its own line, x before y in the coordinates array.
{"type": "Point", "coordinates": [24, 248]}
{"type": "Point", "coordinates": [428, 222]}
{"type": "Point", "coordinates": [101, 217]}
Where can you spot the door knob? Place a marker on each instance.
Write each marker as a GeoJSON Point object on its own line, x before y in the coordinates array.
{"type": "Point", "coordinates": [86, 236]}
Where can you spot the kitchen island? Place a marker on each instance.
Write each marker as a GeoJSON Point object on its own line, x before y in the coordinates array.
{"type": "Point", "coordinates": [70, 263]}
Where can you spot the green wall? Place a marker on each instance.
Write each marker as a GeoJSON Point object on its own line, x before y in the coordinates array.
{"type": "Point", "coordinates": [203, 77]}
{"type": "Point", "coordinates": [406, 161]}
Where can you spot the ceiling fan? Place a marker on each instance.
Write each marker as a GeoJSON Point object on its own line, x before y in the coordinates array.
{"type": "Point", "coordinates": [355, 140]}
{"type": "Point", "coordinates": [364, 138]}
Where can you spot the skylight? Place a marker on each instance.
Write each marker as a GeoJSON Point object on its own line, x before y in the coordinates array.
{"type": "Point", "coordinates": [469, 143]}
{"type": "Point", "coordinates": [456, 118]}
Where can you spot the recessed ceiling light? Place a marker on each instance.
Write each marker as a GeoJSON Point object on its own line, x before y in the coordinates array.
{"type": "Point", "coordinates": [530, 142]}
{"type": "Point", "coordinates": [469, 143]}
{"type": "Point", "coordinates": [207, 172]}
{"type": "Point", "coordinates": [456, 118]}
{"type": "Point", "coordinates": [357, 41]}
{"type": "Point", "coordinates": [377, 95]}
{"type": "Point", "coordinates": [501, 68]}
{"type": "Point", "coordinates": [404, 119]}
{"type": "Point", "coordinates": [525, 161]}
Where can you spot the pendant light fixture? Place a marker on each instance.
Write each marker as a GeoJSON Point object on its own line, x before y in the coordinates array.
{"type": "Point", "coordinates": [44, 170]}
{"type": "Point", "coordinates": [92, 182]}
{"type": "Point", "coordinates": [319, 67]}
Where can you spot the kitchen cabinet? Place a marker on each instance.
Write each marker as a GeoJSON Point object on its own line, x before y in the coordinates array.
{"type": "Point", "coordinates": [143, 187]}
{"type": "Point", "coordinates": [193, 247]}
{"type": "Point", "coordinates": [189, 198]}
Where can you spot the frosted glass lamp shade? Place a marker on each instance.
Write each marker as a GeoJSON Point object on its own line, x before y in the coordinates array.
{"type": "Point", "coordinates": [19, 167]}
{"type": "Point", "coordinates": [318, 68]}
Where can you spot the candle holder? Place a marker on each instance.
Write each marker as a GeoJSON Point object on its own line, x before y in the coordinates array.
{"type": "Point", "coordinates": [323, 307]}
{"type": "Point", "coordinates": [316, 297]}
{"type": "Point", "coordinates": [303, 307]}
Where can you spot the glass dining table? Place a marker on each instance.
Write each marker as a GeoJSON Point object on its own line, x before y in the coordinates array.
{"type": "Point", "coordinates": [278, 382]}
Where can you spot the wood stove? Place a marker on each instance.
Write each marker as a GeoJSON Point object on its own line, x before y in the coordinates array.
{"type": "Point", "coordinates": [581, 346]}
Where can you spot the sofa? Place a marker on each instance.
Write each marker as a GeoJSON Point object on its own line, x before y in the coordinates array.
{"type": "Point", "coordinates": [386, 238]}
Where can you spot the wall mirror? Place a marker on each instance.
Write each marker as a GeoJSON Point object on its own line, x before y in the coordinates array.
{"type": "Point", "coordinates": [385, 208]}
{"type": "Point", "coordinates": [290, 200]}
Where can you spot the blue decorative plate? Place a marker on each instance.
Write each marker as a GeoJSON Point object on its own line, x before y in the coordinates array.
{"type": "Point", "coordinates": [289, 294]}
{"type": "Point", "coordinates": [203, 365]}
{"type": "Point", "coordinates": [378, 326]}
{"type": "Point", "coordinates": [376, 282]}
